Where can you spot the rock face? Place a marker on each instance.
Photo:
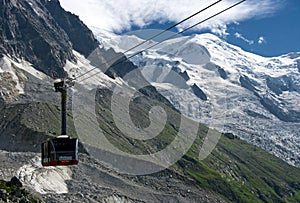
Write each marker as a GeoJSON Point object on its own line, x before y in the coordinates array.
{"type": "Point", "coordinates": [42, 33]}
{"type": "Point", "coordinates": [280, 84]}
{"type": "Point", "coordinates": [12, 126]}
{"type": "Point", "coordinates": [119, 65]}
{"type": "Point", "coordinates": [199, 93]}
{"type": "Point", "coordinates": [247, 83]}
{"type": "Point", "coordinates": [183, 74]}
{"type": "Point", "coordinates": [262, 93]}
{"type": "Point", "coordinates": [222, 73]}
{"type": "Point", "coordinates": [81, 37]}
{"type": "Point", "coordinates": [280, 112]}
{"type": "Point", "coordinates": [12, 191]}
{"type": "Point", "coordinates": [28, 31]}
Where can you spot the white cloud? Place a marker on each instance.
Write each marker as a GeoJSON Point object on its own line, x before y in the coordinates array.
{"type": "Point", "coordinates": [261, 40]}
{"type": "Point", "coordinates": [240, 36]}
{"type": "Point", "coordinates": [117, 15]}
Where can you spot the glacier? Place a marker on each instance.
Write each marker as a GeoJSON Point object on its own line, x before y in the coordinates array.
{"type": "Point", "coordinates": [251, 96]}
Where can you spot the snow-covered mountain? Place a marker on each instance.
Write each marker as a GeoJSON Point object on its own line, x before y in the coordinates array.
{"type": "Point", "coordinates": [225, 87]}
{"type": "Point", "coordinates": [205, 78]}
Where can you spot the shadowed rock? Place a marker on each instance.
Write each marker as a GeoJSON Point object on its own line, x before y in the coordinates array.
{"type": "Point", "coordinates": [199, 93]}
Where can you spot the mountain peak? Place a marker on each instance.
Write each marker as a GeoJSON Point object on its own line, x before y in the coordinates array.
{"type": "Point", "coordinates": [35, 31]}
{"type": "Point", "coordinates": [257, 89]}
{"type": "Point", "coordinates": [209, 36]}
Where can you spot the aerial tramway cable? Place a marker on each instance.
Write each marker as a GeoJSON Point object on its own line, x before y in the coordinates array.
{"type": "Point", "coordinates": [172, 36]}
{"type": "Point", "coordinates": [151, 38]}
{"type": "Point", "coordinates": [64, 150]}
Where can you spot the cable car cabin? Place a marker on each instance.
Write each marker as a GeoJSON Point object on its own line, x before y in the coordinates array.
{"type": "Point", "coordinates": [60, 151]}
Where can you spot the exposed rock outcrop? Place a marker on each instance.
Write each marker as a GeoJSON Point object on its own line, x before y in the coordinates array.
{"type": "Point", "coordinates": [223, 74]}
{"type": "Point", "coordinates": [249, 84]}
{"type": "Point", "coordinates": [199, 92]}
{"type": "Point", "coordinates": [29, 32]}
{"type": "Point", "coordinates": [13, 191]}
{"type": "Point", "coordinates": [280, 84]}
{"type": "Point", "coordinates": [80, 36]}
{"type": "Point", "coordinates": [280, 112]}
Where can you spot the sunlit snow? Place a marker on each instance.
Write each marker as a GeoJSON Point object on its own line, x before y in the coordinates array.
{"type": "Point", "coordinates": [44, 179]}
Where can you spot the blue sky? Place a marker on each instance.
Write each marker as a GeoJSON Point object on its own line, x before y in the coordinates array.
{"type": "Point", "coordinates": [280, 31]}
{"type": "Point", "coordinates": [264, 27]}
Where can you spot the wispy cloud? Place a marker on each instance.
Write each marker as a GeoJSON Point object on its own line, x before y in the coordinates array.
{"type": "Point", "coordinates": [116, 15]}
{"type": "Point", "coordinates": [261, 40]}
{"type": "Point", "coordinates": [240, 36]}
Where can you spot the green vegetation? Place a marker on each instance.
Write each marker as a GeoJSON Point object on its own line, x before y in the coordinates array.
{"type": "Point", "coordinates": [45, 118]}
{"type": "Point", "coordinates": [39, 117]}
{"type": "Point", "coordinates": [237, 170]}
{"type": "Point", "coordinates": [12, 192]}
{"type": "Point", "coordinates": [244, 173]}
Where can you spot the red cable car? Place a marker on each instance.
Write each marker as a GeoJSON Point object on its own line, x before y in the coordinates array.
{"type": "Point", "coordinates": [60, 151]}
{"type": "Point", "coordinates": [63, 150]}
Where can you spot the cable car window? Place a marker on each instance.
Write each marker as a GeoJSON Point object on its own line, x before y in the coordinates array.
{"type": "Point", "coordinates": [60, 151]}
{"type": "Point", "coordinates": [45, 153]}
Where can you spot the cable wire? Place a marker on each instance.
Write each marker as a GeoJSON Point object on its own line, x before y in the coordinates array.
{"type": "Point", "coordinates": [172, 36]}
{"type": "Point", "coordinates": [151, 38]}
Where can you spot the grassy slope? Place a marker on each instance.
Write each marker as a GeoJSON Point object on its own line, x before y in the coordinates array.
{"type": "Point", "coordinates": [239, 171]}
{"type": "Point", "coordinates": [244, 173]}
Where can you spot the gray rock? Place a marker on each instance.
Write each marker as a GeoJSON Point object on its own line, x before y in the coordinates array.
{"type": "Point", "coordinates": [223, 74]}
{"type": "Point", "coordinates": [15, 182]}
{"type": "Point", "coordinates": [199, 92]}
{"type": "Point", "coordinates": [280, 112]}
{"type": "Point", "coordinates": [249, 84]}
{"type": "Point", "coordinates": [45, 38]}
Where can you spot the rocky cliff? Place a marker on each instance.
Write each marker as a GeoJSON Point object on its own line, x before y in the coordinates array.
{"type": "Point", "coordinates": [42, 33]}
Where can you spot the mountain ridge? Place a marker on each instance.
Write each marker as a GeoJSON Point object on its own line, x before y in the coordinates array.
{"type": "Point", "coordinates": [235, 171]}
{"type": "Point", "coordinates": [265, 86]}
{"type": "Point", "coordinates": [33, 30]}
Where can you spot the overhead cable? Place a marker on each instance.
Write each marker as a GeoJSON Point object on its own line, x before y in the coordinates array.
{"type": "Point", "coordinates": [151, 38]}
{"type": "Point", "coordinates": [172, 36]}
